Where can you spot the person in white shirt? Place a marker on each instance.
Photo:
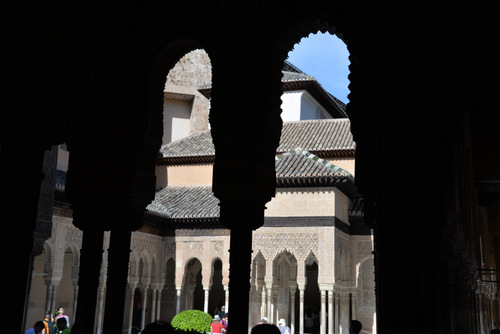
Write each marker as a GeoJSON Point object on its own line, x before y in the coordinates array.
{"type": "Point", "coordinates": [284, 329]}
{"type": "Point", "coordinates": [62, 315]}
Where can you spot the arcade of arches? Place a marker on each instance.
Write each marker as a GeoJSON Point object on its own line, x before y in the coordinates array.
{"type": "Point", "coordinates": [171, 274]}
{"type": "Point", "coordinates": [427, 160]}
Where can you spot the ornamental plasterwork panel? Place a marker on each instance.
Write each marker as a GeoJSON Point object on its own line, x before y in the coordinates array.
{"type": "Point", "coordinates": [216, 248]}
{"type": "Point", "coordinates": [342, 257]}
{"type": "Point", "coordinates": [193, 249]}
{"type": "Point", "coordinates": [144, 246]}
{"type": "Point", "coordinates": [73, 236]}
{"type": "Point", "coordinates": [168, 250]}
{"type": "Point", "coordinates": [364, 250]}
{"type": "Point", "coordinates": [300, 244]}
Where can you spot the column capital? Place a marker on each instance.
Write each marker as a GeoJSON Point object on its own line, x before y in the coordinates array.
{"type": "Point", "coordinates": [326, 286]}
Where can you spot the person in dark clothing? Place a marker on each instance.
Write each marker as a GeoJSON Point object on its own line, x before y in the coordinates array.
{"type": "Point", "coordinates": [265, 329]}
{"type": "Point", "coordinates": [37, 328]}
{"type": "Point", "coordinates": [159, 327]}
{"type": "Point", "coordinates": [355, 327]}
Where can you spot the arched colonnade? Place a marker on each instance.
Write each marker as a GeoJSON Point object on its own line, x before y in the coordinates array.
{"type": "Point", "coordinates": [290, 274]}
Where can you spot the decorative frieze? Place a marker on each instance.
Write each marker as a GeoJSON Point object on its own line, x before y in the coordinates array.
{"type": "Point", "coordinates": [298, 243]}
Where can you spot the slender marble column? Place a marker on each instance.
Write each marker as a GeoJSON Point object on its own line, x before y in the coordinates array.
{"type": "Point", "coordinates": [269, 290]}
{"type": "Point", "coordinates": [330, 312]}
{"type": "Point", "coordinates": [178, 301]}
{"type": "Point", "coordinates": [293, 288]}
{"type": "Point", "coordinates": [158, 305]}
{"type": "Point", "coordinates": [205, 301]}
{"type": "Point", "coordinates": [130, 309]}
{"type": "Point", "coordinates": [75, 298]}
{"type": "Point", "coordinates": [263, 306]}
{"type": "Point", "coordinates": [153, 305]}
{"type": "Point", "coordinates": [144, 307]}
{"type": "Point", "coordinates": [337, 313]}
{"type": "Point", "coordinates": [354, 307]}
{"type": "Point", "coordinates": [301, 310]}
{"type": "Point", "coordinates": [226, 297]}
{"type": "Point", "coordinates": [48, 298]}
{"type": "Point", "coordinates": [322, 327]}
{"type": "Point", "coordinates": [100, 309]}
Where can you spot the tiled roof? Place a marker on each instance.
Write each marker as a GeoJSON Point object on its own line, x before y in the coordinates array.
{"type": "Point", "coordinates": [297, 168]}
{"type": "Point", "coordinates": [294, 79]}
{"type": "Point", "coordinates": [195, 148]}
{"type": "Point", "coordinates": [185, 203]}
{"type": "Point", "coordinates": [325, 138]}
{"type": "Point", "coordinates": [294, 76]}
{"type": "Point", "coordinates": [300, 168]}
{"type": "Point", "coordinates": [301, 163]}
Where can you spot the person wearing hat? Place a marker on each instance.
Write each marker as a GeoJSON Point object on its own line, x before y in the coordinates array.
{"type": "Point", "coordinates": [217, 327]}
{"type": "Point", "coordinates": [284, 329]}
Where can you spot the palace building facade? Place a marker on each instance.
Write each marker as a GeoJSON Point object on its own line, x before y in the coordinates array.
{"type": "Point", "coordinates": [312, 257]}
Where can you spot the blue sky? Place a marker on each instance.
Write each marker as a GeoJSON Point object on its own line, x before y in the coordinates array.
{"type": "Point", "coordinates": [324, 57]}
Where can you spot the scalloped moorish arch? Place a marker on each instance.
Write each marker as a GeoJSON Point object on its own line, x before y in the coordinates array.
{"type": "Point", "coordinates": [166, 59]}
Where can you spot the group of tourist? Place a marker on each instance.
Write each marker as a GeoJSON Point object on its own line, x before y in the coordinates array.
{"type": "Point", "coordinates": [219, 323]}
{"type": "Point", "coordinates": [263, 327]}
{"type": "Point", "coordinates": [283, 328]}
{"type": "Point", "coordinates": [59, 324]}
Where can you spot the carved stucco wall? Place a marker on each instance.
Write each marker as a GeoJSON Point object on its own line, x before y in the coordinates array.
{"type": "Point", "coordinates": [338, 254]}
{"type": "Point", "coordinates": [339, 257]}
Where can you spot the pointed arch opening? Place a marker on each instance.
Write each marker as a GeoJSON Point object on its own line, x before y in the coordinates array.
{"type": "Point", "coordinates": [285, 284]}
{"type": "Point", "coordinates": [192, 292]}
{"type": "Point", "coordinates": [216, 295]}
{"type": "Point", "coordinates": [169, 293]}
{"type": "Point", "coordinates": [312, 295]}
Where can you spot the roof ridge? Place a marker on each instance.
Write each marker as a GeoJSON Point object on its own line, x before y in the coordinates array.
{"type": "Point", "coordinates": [289, 76]}
{"type": "Point", "coordinates": [194, 135]}
{"type": "Point", "coordinates": [343, 119]}
{"type": "Point", "coordinates": [316, 159]}
{"type": "Point", "coordinates": [330, 136]}
{"type": "Point", "coordinates": [289, 67]}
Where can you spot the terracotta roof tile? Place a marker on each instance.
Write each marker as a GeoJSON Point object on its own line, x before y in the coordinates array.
{"type": "Point", "coordinates": [185, 203]}
{"type": "Point", "coordinates": [318, 136]}
{"type": "Point", "coordinates": [325, 137]}
{"type": "Point", "coordinates": [297, 168]}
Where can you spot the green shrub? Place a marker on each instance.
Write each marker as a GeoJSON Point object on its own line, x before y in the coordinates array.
{"type": "Point", "coordinates": [192, 321]}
